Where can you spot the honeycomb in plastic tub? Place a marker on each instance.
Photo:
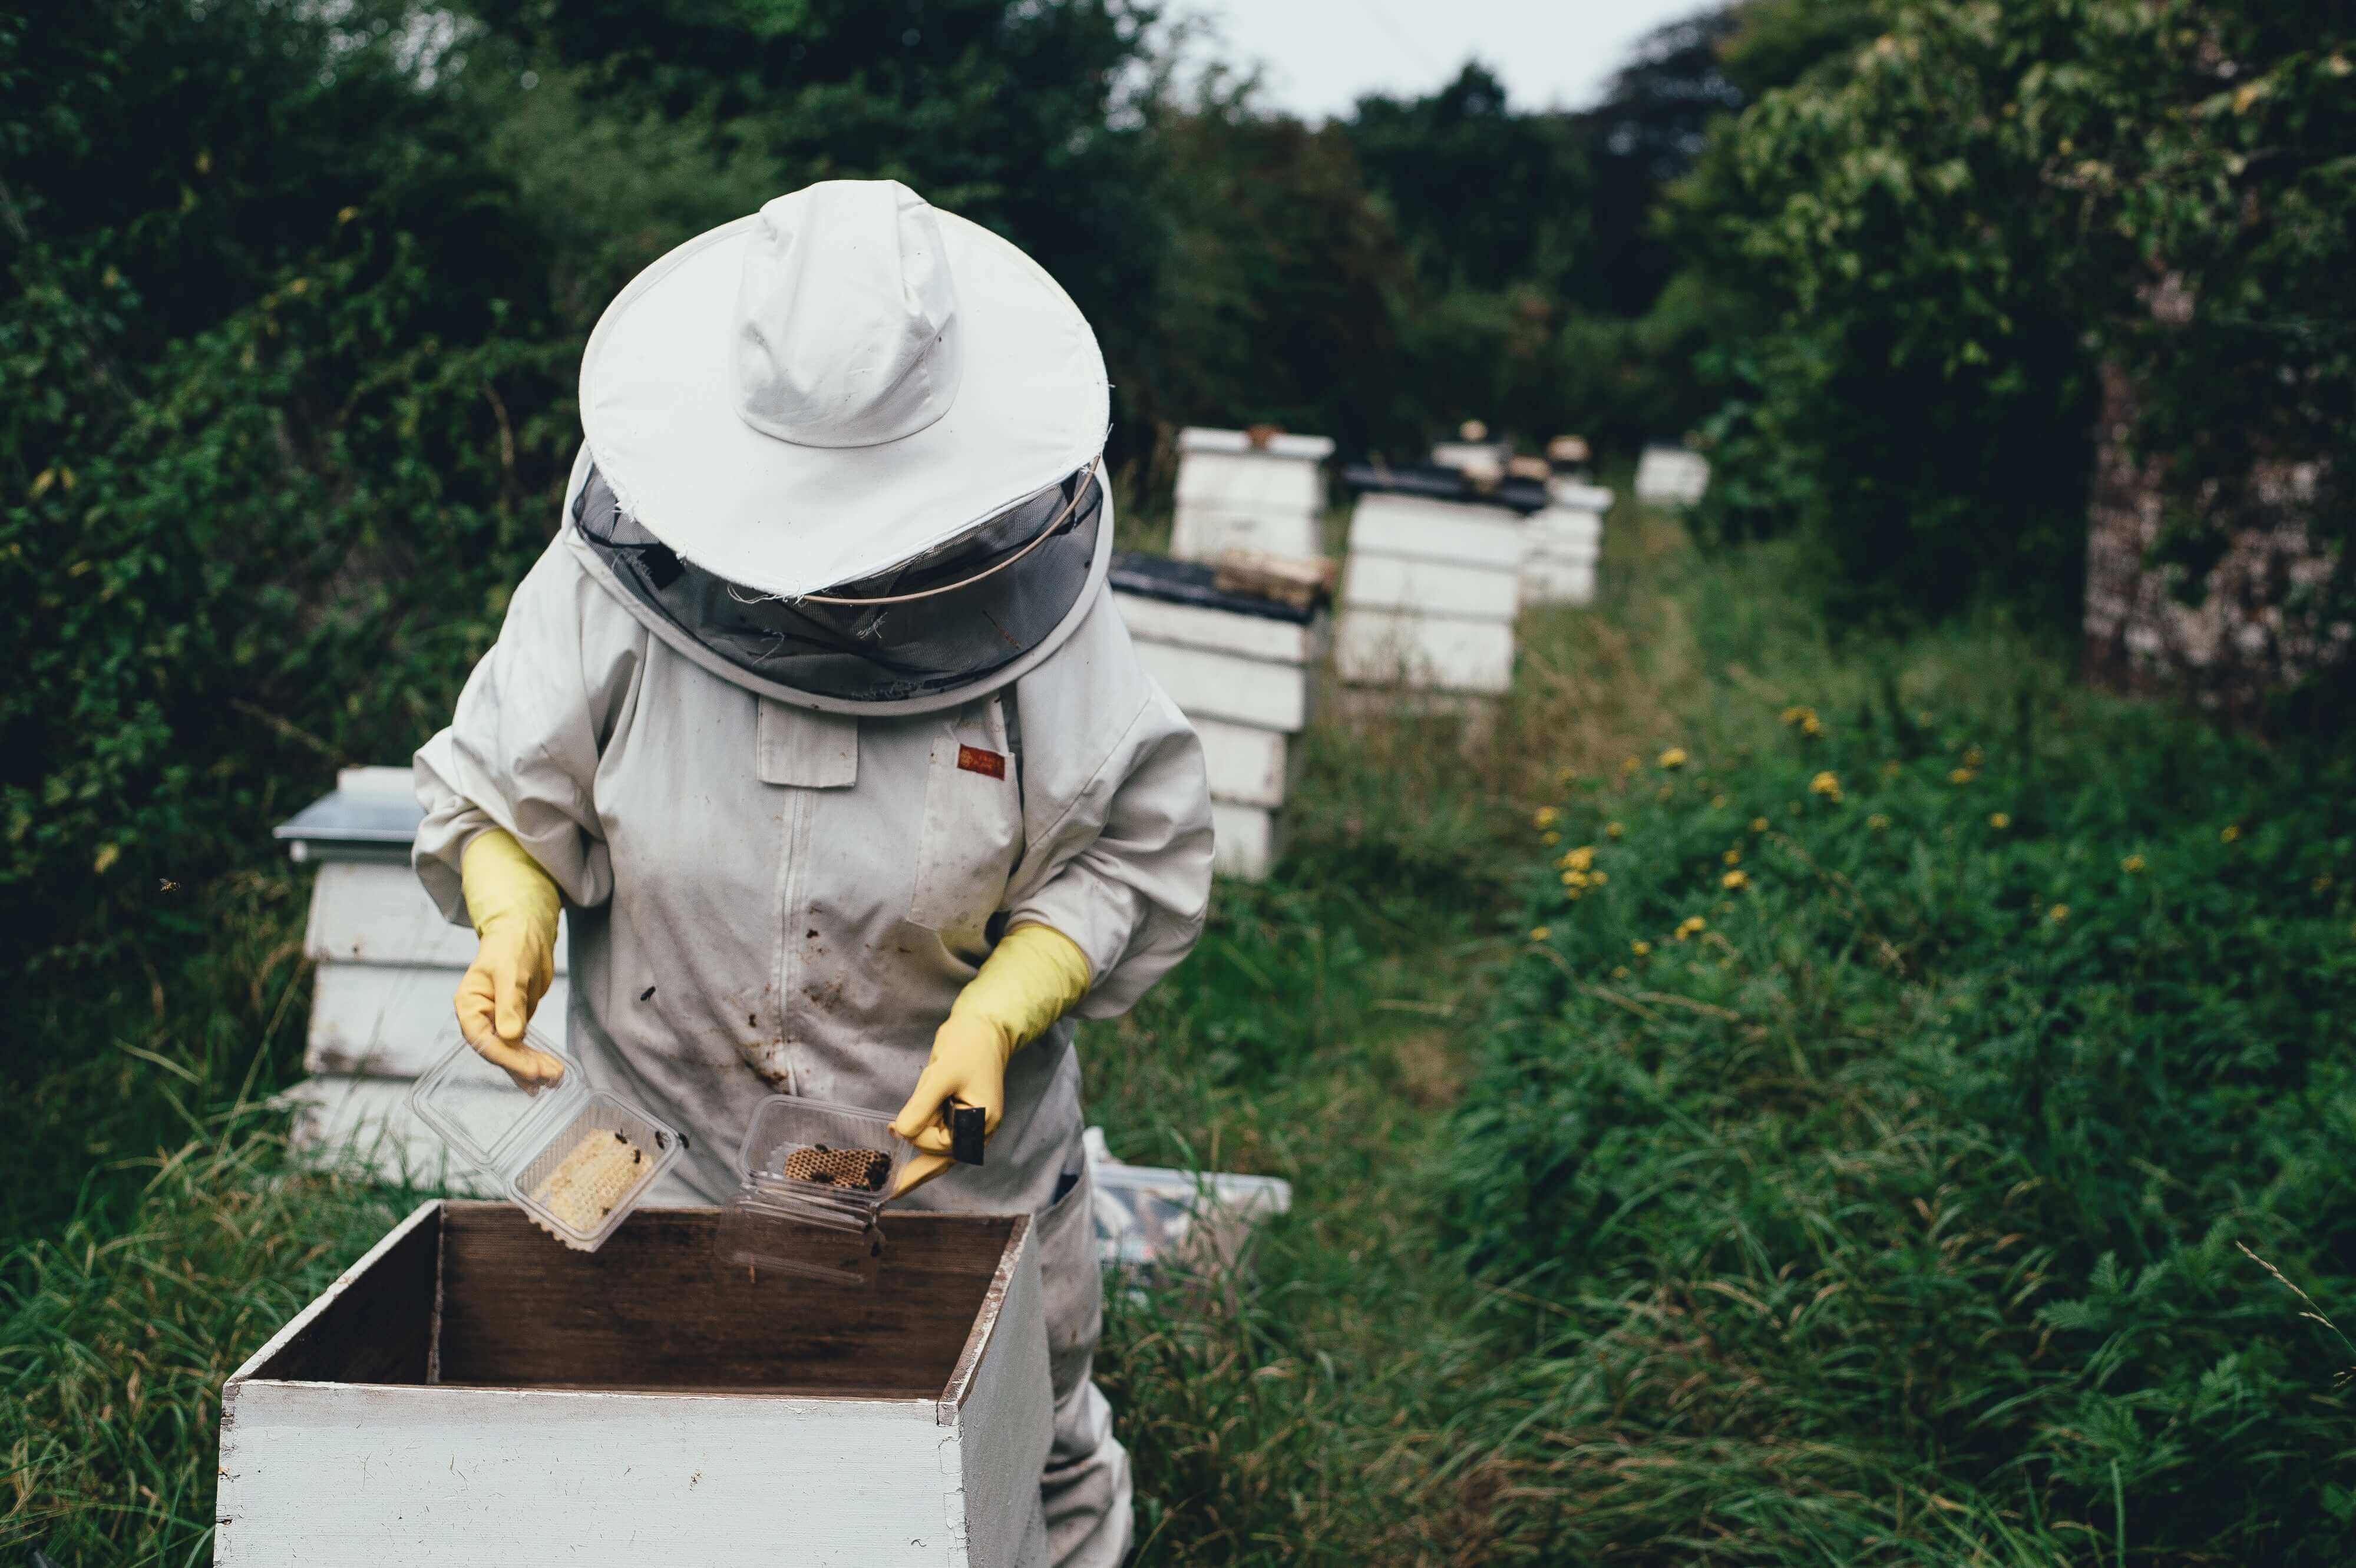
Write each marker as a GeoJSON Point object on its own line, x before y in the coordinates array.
{"type": "Point", "coordinates": [598, 1172]}
{"type": "Point", "coordinates": [859, 1170]}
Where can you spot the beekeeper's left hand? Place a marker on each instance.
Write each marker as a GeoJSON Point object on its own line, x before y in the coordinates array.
{"type": "Point", "coordinates": [1031, 979]}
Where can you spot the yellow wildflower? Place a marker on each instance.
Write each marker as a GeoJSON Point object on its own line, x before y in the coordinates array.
{"type": "Point", "coordinates": [1825, 784]}
{"type": "Point", "coordinates": [1574, 879]}
{"type": "Point", "coordinates": [1812, 725]}
{"type": "Point", "coordinates": [1793, 714]}
{"type": "Point", "coordinates": [1632, 765]}
{"type": "Point", "coordinates": [1735, 879]}
{"type": "Point", "coordinates": [1577, 859]}
{"type": "Point", "coordinates": [2131, 865]}
{"type": "Point", "coordinates": [1641, 949]}
{"type": "Point", "coordinates": [1688, 926]}
{"type": "Point", "coordinates": [1733, 857]}
{"type": "Point", "coordinates": [2231, 832]}
{"type": "Point", "coordinates": [1959, 776]}
{"type": "Point", "coordinates": [1675, 757]}
{"type": "Point", "coordinates": [1758, 825]}
{"type": "Point", "coordinates": [1876, 821]}
{"type": "Point", "coordinates": [1612, 830]}
{"type": "Point", "coordinates": [1539, 933]}
{"type": "Point", "coordinates": [2000, 820]}
{"type": "Point", "coordinates": [1718, 803]}
{"type": "Point", "coordinates": [1550, 838]}
{"type": "Point", "coordinates": [1597, 879]}
{"type": "Point", "coordinates": [2057, 914]}
{"type": "Point", "coordinates": [1620, 971]}
{"type": "Point", "coordinates": [1545, 816]}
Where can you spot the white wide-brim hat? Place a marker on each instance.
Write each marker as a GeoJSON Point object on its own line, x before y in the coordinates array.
{"type": "Point", "coordinates": [836, 385]}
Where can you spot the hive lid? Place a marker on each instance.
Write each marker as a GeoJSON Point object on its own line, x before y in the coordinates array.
{"type": "Point", "coordinates": [1445, 485]}
{"type": "Point", "coordinates": [372, 813]}
{"type": "Point", "coordinates": [1194, 582]}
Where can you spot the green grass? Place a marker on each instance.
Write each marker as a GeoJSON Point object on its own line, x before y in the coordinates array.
{"type": "Point", "coordinates": [1762, 1263]}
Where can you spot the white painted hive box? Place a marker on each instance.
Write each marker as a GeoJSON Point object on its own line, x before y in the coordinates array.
{"type": "Point", "coordinates": [471, 1395]}
{"type": "Point", "coordinates": [1565, 539]}
{"type": "Point", "coordinates": [1243, 671]}
{"type": "Point", "coordinates": [1671, 476]}
{"type": "Point", "coordinates": [1428, 594]}
{"type": "Point", "coordinates": [1233, 495]}
{"type": "Point", "coordinates": [386, 967]}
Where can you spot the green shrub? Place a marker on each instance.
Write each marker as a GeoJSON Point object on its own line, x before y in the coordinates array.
{"type": "Point", "coordinates": [1887, 1113]}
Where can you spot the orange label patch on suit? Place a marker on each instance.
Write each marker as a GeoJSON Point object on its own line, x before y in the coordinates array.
{"type": "Point", "coordinates": [974, 760]}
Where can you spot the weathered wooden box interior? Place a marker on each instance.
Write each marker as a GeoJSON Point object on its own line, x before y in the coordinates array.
{"type": "Point", "coordinates": [473, 1395]}
{"type": "Point", "coordinates": [476, 1296]}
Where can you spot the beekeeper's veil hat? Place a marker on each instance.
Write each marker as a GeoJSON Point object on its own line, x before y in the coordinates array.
{"type": "Point", "coordinates": [847, 447]}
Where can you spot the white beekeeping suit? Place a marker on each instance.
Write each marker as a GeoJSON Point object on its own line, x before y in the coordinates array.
{"type": "Point", "coordinates": [791, 825]}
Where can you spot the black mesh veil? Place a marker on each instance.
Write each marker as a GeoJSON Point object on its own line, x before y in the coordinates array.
{"type": "Point", "coordinates": [874, 652]}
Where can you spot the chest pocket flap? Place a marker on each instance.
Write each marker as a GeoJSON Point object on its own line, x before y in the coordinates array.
{"type": "Point", "coordinates": [972, 833]}
{"type": "Point", "coordinates": [807, 748]}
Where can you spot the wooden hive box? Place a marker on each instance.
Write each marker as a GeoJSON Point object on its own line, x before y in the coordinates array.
{"type": "Point", "coordinates": [1565, 539]}
{"type": "Point", "coordinates": [1671, 476]}
{"type": "Point", "coordinates": [1243, 670]}
{"type": "Point", "coordinates": [387, 966]}
{"type": "Point", "coordinates": [1233, 495]}
{"type": "Point", "coordinates": [471, 1395]}
{"type": "Point", "coordinates": [1428, 594]}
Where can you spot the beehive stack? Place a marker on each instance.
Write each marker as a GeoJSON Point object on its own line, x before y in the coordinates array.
{"type": "Point", "coordinates": [1428, 593]}
{"type": "Point", "coordinates": [1565, 541]}
{"type": "Point", "coordinates": [1241, 667]}
{"type": "Point", "coordinates": [387, 966]}
{"type": "Point", "coordinates": [1671, 476]}
{"type": "Point", "coordinates": [1255, 489]}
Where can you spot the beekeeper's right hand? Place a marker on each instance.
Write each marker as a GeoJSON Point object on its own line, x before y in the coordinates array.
{"type": "Point", "coordinates": [514, 907]}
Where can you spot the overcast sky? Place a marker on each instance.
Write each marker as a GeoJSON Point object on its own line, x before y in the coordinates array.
{"type": "Point", "coordinates": [1321, 55]}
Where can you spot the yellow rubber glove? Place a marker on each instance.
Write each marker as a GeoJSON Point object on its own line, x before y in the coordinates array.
{"type": "Point", "coordinates": [514, 906]}
{"type": "Point", "coordinates": [1031, 979]}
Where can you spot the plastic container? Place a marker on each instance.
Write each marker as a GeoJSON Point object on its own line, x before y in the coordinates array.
{"type": "Point", "coordinates": [815, 1177]}
{"type": "Point", "coordinates": [518, 1138]}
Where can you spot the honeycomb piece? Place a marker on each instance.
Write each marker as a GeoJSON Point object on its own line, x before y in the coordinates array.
{"type": "Point", "coordinates": [861, 1169]}
{"type": "Point", "coordinates": [598, 1173]}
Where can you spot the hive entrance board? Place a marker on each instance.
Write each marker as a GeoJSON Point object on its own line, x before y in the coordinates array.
{"type": "Point", "coordinates": [471, 1395]}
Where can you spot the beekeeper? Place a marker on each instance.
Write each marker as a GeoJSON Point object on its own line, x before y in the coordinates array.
{"type": "Point", "coordinates": [818, 719]}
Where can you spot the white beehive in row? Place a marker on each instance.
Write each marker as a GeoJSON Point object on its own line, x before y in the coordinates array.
{"type": "Point", "coordinates": [1429, 592]}
{"type": "Point", "coordinates": [1671, 476]}
{"type": "Point", "coordinates": [1247, 490]}
{"type": "Point", "coordinates": [386, 967]}
{"type": "Point", "coordinates": [1243, 669]}
{"type": "Point", "coordinates": [1565, 539]}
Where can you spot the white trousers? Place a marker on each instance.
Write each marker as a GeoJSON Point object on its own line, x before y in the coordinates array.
{"type": "Point", "coordinates": [1086, 1492]}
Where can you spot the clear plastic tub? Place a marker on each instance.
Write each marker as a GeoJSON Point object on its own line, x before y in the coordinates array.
{"type": "Point", "coordinates": [815, 1177]}
{"type": "Point", "coordinates": [554, 1152]}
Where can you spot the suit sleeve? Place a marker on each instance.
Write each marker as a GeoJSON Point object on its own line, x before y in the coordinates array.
{"type": "Point", "coordinates": [1129, 878]}
{"type": "Point", "coordinates": [522, 750]}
